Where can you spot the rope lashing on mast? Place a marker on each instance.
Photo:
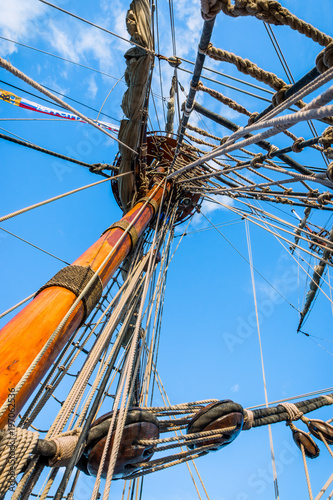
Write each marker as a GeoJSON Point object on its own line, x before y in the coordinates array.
{"type": "Point", "coordinates": [75, 278]}
{"type": "Point", "coordinates": [138, 66]}
{"type": "Point", "coordinates": [315, 281]}
{"type": "Point", "coordinates": [326, 141]}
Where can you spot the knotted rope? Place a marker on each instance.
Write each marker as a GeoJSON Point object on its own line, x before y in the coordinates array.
{"type": "Point", "coordinates": [65, 443]}
{"type": "Point", "coordinates": [324, 59]}
{"type": "Point", "coordinates": [327, 140]}
{"type": "Point", "coordinates": [248, 419]}
{"type": "Point", "coordinates": [292, 410]}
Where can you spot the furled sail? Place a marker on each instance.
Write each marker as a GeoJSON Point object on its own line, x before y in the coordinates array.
{"type": "Point", "coordinates": [138, 62]}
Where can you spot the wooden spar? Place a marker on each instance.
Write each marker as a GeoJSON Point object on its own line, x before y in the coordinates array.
{"type": "Point", "coordinates": [26, 334]}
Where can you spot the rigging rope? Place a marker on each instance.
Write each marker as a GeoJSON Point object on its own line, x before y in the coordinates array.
{"type": "Point", "coordinates": [95, 167]}
{"type": "Point", "coordinates": [19, 74]}
{"type": "Point", "coordinates": [276, 487]}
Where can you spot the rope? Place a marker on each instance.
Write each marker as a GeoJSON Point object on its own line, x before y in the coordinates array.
{"type": "Point", "coordinates": [49, 386]}
{"type": "Point", "coordinates": [306, 473]}
{"type": "Point", "coordinates": [77, 301]}
{"type": "Point", "coordinates": [34, 246]}
{"type": "Point", "coordinates": [170, 461]}
{"type": "Point", "coordinates": [224, 99]}
{"type": "Point", "coordinates": [248, 420]}
{"type": "Point", "coordinates": [50, 200]}
{"type": "Point", "coordinates": [324, 59]}
{"type": "Point", "coordinates": [276, 488]}
{"type": "Point", "coordinates": [19, 74]}
{"type": "Point", "coordinates": [167, 401]}
{"type": "Point", "coordinates": [65, 443]}
{"type": "Point", "coordinates": [277, 125]}
{"type": "Point", "coordinates": [272, 12]}
{"type": "Point", "coordinates": [186, 437]}
{"type": "Point", "coordinates": [15, 447]}
{"type": "Point", "coordinates": [17, 305]}
{"type": "Point", "coordinates": [95, 168]}
{"type": "Point", "coordinates": [246, 67]}
{"type": "Point", "coordinates": [129, 372]}
{"type": "Point", "coordinates": [292, 410]}
{"type": "Point", "coordinates": [202, 132]}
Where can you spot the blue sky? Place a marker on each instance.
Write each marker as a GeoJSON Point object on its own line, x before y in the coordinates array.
{"type": "Point", "coordinates": [209, 345]}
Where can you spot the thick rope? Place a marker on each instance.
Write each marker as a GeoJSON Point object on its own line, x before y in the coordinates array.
{"type": "Point", "coordinates": [202, 132]}
{"type": "Point", "coordinates": [268, 11]}
{"type": "Point", "coordinates": [224, 99]}
{"type": "Point", "coordinates": [246, 67]}
{"type": "Point", "coordinates": [185, 437]}
{"type": "Point", "coordinates": [278, 124]}
{"type": "Point", "coordinates": [324, 59]}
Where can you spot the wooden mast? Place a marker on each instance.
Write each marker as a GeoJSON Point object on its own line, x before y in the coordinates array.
{"type": "Point", "coordinates": [26, 334]}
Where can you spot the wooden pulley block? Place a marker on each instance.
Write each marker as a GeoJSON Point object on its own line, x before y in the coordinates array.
{"type": "Point", "coordinates": [217, 416]}
{"type": "Point", "coordinates": [300, 437]}
{"type": "Point", "coordinates": [319, 426]}
{"type": "Point", "coordinates": [140, 425]}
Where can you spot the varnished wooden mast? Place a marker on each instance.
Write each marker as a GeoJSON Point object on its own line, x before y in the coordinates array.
{"type": "Point", "coordinates": [27, 333]}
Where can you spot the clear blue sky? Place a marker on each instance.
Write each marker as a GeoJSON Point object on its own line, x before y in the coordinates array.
{"type": "Point", "coordinates": [209, 345]}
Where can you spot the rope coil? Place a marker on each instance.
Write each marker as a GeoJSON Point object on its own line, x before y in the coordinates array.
{"type": "Point", "coordinates": [16, 446]}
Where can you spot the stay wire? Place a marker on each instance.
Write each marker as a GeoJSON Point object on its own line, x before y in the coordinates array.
{"type": "Point", "coordinates": [289, 75]}
{"type": "Point", "coordinates": [59, 93]}
{"type": "Point", "coordinates": [19, 74]}
{"type": "Point", "coordinates": [159, 61]}
{"type": "Point", "coordinates": [58, 57]}
{"type": "Point", "coordinates": [97, 26]}
{"type": "Point", "coordinates": [35, 246]}
{"type": "Point", "coordinates": [247, 229]}
{"type": "Point", "coordinates": [246, 260]}
{"type": "Point", "coordinates": [40, 149]}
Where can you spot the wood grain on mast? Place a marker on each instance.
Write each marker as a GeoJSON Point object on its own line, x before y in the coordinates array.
{"type": "Point", "coordinates": [22, 339]}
